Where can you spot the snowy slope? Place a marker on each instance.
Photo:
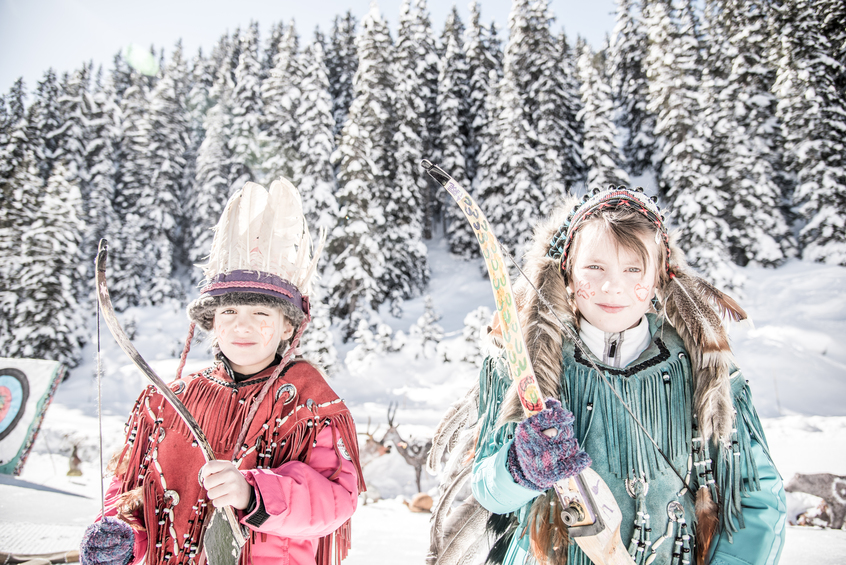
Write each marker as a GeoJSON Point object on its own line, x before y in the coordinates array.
{"type": "Point", "coordinates": [791, 356]}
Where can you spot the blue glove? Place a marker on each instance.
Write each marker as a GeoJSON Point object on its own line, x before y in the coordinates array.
{"type": "Point", "coordinates": [537, 461]}
{"type": "Point", "coordinates": [108, 542]}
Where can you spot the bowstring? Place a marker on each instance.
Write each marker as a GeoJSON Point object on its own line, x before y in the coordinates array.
{"type": "Point", "coordinates": [574, 337]}
{"type": "Point", "coordinates": [100, 415]}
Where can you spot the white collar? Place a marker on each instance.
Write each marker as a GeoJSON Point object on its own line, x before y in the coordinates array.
{"type": "Point", "coordinates": [616, 349]}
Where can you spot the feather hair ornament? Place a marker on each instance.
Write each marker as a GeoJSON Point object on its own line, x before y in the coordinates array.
{"type": "Point", "coordinates": [707, 523]}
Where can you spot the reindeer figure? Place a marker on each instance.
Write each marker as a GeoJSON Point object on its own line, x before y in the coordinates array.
{"type": "Point", "coordinates": [372, 448]}
{"type": "Point", "coordinates": [831, 488]}
{"type": "Point", "coordinates": [414, 451]}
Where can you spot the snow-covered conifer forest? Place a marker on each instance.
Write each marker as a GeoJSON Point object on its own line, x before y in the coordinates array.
{"type": "Point", "coordinates": [732, 113]}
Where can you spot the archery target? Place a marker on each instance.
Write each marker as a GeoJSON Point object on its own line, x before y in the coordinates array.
{"type": "Point", "coordinates": [26, 388]}
{"type": "Point", "coordinates": [14, 392]}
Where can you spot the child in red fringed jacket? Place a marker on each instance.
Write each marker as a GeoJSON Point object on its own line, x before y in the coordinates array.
{"type": "Point", "coordinates": [286, 453]}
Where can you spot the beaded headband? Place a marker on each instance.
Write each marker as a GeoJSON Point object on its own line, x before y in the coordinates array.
{"type": "Point", "coordinates": [257, 282]}
{"type": "Point", "coordinates": [612, 198]}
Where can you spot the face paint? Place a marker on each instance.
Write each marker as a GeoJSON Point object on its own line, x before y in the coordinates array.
{"type": "Point", "coordinates": [267, 330]}
{"type": "Point", "coordinates": [584, 290]}
{"type": "Point", "coordinates": [642, 292]}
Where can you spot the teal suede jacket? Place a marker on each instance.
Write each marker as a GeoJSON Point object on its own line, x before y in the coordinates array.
{"type": "Point", "coordinates": [657, 527]}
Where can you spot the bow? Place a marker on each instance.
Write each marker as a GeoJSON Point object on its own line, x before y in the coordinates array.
{"type": "Point", "coordinates": [590, 511]}
{"type": "Point", "coordinates": [237, 534]}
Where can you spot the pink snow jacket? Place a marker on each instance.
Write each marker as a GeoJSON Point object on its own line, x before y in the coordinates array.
{"type": "Point", "coordinates": [300, 455]}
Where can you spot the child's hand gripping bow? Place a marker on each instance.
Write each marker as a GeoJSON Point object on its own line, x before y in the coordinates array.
{"type": "Point", "coordinates": [544, 449]}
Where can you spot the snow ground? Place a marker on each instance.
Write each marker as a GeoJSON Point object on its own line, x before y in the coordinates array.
{"type": "Point", "coordinates": [791, 358]}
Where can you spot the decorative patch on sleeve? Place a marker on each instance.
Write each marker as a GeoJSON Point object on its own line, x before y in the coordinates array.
{"type": "Point", "coordinates": [342, 449]}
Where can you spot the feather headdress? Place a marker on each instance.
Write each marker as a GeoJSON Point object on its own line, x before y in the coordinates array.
{"type": "Point", "coordinates": [262, 245]}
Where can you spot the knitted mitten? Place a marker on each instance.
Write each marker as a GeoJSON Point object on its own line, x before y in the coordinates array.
{"type": "Point", "coordinates": [537, 461]}
{"type": "Point", "coordinates": [108, 542]}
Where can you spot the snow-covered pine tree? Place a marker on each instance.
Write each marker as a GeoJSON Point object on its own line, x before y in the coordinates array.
{"type": "Point", "coordinates": [200, 80]}
{"type": "Point", "coordinates": [72, 134]}
{"type": "Point", "coordinates": [747, 140]}
{"type": "Point", "coordinates": [4, 124]}
{"type": "Point", "coordinates": [813, 111]}
{"type": "Point", "coordinates": [482, 54]}
{"type": "Point", "coordinates": [833, 18]}
{"type": "Point", "coordinates": [341, 64]}
{"type": "Point", "coordinates": [158, 207]}
{"type": "Point", "coordinates": [695, 202]}
{"type": "Point", "coordinates": [246, 107]}
{"type": "Point", "coordinates": [405, 196]}
{"type": "Point", "coordinates": [314, 172]}
{"type": "Point", "coordinates": [132, 175]}
{"type": "Point", "coordinates": [20, 203]}
{"type": "Point", "coordinates": [475, 335]}
{"type": "Point", "coordinates": [15, 170]}
{"type": "Point", "coordinates": [46, 221]}
{"type": "Point", "coordinates": [427, 63]}
{"type": "Point", "coordinates": [98, 213]}
{"type": "Point", "coordinates": [453, 107]}
{"type": "Point", "coordinates": [489, 185]}
{"type": "Point", "coordinates": [630, 86]}
{"type": "Point", "coordinates": [16, 135]}
{"type": "Point", "coordinates": [45, 123]}
{"type": "Point", "coordinates": [318, 342]}
{"type": "Point", "coordinates": [280, 95]}
{"type": "Point", "coordinates": [427, 330]}
{"type": "Point", "coordinates": [355, 249]}
{"type": "Point", "coordinates": [559, 126]}
{"type": "Point", "coordinates": [21, 190]}
{"type": "Point", "coordinates": [412, 57]}
{"type": "Point", "coordinates": [528, 40]}
{"type": "Point", "coordinates": [602, 155]}
{"type": "Point", "coordinates": [4, 144]}
{"type": "Point", "coordinates": [269, 55]}
{"type": "Point", "coordinates": [523, 198]}
{"type": "Point", "coordinates": [212, 183]}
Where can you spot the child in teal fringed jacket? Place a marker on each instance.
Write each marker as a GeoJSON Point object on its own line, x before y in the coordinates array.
{"type": "Point", "coordinates": [654, 330]}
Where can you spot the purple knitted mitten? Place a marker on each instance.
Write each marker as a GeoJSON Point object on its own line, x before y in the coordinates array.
{"type": "Point", "coordinates": [537, 461]}
{"type": "Point", "coordinates": [108, 542]}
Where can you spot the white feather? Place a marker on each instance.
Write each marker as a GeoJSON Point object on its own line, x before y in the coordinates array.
{"type": "Point", "coordinates": [265, 231]}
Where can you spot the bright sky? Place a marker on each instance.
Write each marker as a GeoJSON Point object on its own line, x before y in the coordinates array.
{"type": "Point", "coordinates": [38, 34]}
